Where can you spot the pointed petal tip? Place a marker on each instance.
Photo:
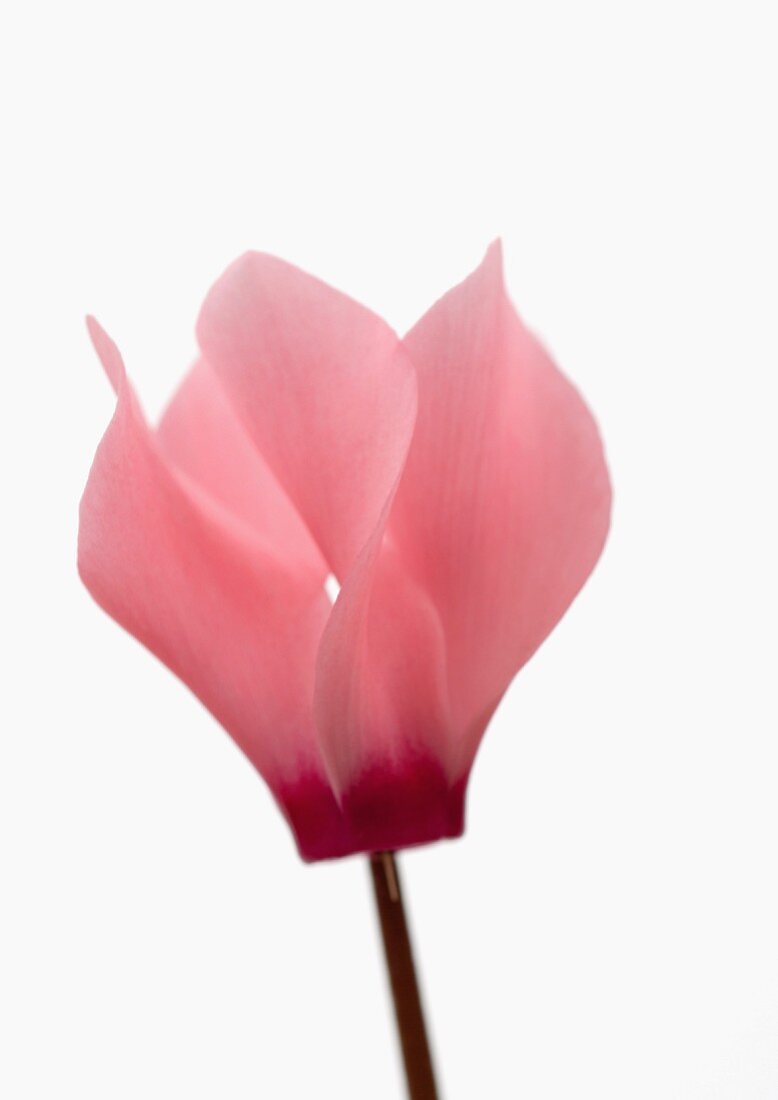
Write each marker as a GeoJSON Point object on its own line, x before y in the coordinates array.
{"type": "Point", "coordinates": [494, 251]}
{"type": "Point", "coordinates": [107, 352]}
{"type": "Point", "coordinates": [492, 264]}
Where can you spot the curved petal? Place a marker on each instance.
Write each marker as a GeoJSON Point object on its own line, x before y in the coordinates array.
{"type": "Point", "coordinates": [240, 625]}
{"type": "Point", "coordinates": [324, 389]}
{"type": "Point", "coordinates": [381, 707]}
{"type": "Point", "coordinates": [201, 436]}
{"type": "Point", "coordinates": [504, 503]}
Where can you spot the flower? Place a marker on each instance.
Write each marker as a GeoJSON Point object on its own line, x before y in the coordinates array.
{"type": "Point", "coordinates": [453, 482]}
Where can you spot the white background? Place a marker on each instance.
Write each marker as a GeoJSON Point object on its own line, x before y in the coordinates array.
{"type": "Point", "coordinates": [608, 927]}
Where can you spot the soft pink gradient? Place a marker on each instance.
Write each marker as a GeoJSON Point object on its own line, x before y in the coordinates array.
{"type": "Point", "coordinates": [454, 482]}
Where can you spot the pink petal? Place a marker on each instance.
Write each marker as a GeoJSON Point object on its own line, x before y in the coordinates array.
{"type": "Point", "coordinates": [238, 622]}
{"type": "Point", "coordinates": [504, 503]}
{"type": "Point", "coordinates": [201, 436]}
{"type": "Point", "coordinates": [382, 710]}
{"type": "Point", "coordinates": [328, 396]}
{"type": "Point", "coordinates": [324, 389]}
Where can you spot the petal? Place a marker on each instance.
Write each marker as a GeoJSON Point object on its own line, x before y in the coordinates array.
{"type": "Point", "coordinates": [324, 389]}
{"type": "Point", "coordinates": [381, 707]}
{"type": "Point", "coordinates": [239, 624]}
{"type": "Point", "coordinates": [201, 436]}
{"type": "Point", "coordinates": [504, 503]}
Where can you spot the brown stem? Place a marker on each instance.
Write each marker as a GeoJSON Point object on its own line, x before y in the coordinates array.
{"type": "Point", "coordinates": [402, 976]}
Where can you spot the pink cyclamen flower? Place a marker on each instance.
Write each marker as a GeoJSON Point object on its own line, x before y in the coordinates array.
{"type": "Point", "coordinates": [453, 482]}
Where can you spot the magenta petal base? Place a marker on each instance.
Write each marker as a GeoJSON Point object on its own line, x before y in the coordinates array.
{"type": "Point", "coordinates": [385, 810]}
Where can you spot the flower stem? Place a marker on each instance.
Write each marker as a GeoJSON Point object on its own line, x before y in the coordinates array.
{"type": "Point", "coordinates": [419, 1073]}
